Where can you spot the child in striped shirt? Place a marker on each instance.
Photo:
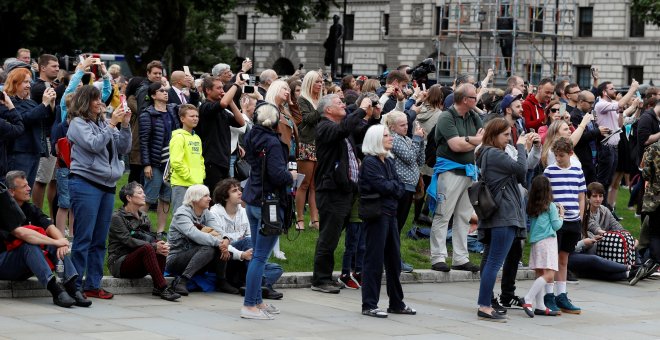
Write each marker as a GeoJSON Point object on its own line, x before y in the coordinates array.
{"type": "Point", "coordinates": [568, 189]}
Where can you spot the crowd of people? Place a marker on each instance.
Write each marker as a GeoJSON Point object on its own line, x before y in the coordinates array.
{"type": "Point", "coordinates": [359, 155]}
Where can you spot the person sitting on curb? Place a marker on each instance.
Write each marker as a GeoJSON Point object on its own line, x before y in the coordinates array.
{"type": "Point", "coordinates": [196, 245]}
{"type": "Point", "coordinates": [35, 246]}
{"type": "Point", "coordinates": [133, 250]}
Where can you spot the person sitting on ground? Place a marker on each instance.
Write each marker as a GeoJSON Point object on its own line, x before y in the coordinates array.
{"type": "Point", "coordinates": [133, 250]}
{"type": "Point", "coordinates": [193, 247]}
{"type": "Point", "coordinates": [33, 247]}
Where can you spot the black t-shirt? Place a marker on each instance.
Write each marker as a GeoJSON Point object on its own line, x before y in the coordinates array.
{"type": "Point", "coordinates": [33, 216]}
{"type": "Point", "coordinates": [213, 129]}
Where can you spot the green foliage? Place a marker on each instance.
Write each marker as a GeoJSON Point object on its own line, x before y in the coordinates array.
{"type": "Point", "coordinates": [647, 10]}
{"type": "Point", "coordinates": [296, 14]}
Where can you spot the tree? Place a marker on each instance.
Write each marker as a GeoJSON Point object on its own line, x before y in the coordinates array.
{"type": "Point", "coordinates": [647, 10]}
{"type": "Point", "coordinates": [296, 14]}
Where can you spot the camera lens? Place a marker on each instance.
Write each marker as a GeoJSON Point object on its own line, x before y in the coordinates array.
{"type": "Point", "coordinates": [374, 103]}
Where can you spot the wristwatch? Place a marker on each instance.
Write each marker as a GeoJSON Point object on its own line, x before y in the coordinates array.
{"type": "Point", "coordinates": [467, 139]}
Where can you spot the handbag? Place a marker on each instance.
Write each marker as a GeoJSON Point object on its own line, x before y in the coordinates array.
{"type": "Point", "coordinates": [11, 215]}
{"type": "Point", "coordinates": [370, 207]}
{"type": "Point", "coordinates": [241, 170]}
{"type": "Point", "coordinates": [481, 198]}
{"type": "Point", "coordinates": [271, 223]}
{"type": "Point", "coordinates": [617, 246]}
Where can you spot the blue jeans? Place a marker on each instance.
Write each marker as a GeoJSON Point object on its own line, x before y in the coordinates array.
{"type": "Point", "coordinates": [92, 208]}
{"type": "Point", "coordinates": [272, 271]}
{"type": "Point", "coordinates": [178, 192]}
{"type": "Point", "coordinates": [155, 189]}
{"type": "Point", "coordinates": [354, 245]}
{"type": "Point", "coordinates": [232, 161]}
{"type": "Point", "coordinates": [501, 239]}
{"type": "Point", "coordinates": [263, 246]}
{"type": "Point", "coordinates": [595, 267]}
{"type": "Point", "coordinates": [28, 259]}
{"type": "Point", "coordinates": [26, 162]}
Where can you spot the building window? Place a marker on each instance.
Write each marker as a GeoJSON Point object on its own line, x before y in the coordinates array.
{"type": "Point", "coordinates": [586, 22]}
{"type": "Point", "coordinates": [533, 73]}
{"type": "Point", "coordinates": [583, 76]}
{"type": "Point", "coordinates": [382, 68]}
{"type": "Point", "coordinates": [242, 27]}
{"type": "Point", "coordinates": [635, 72]}
{"type": "Point", "coordinates": [349, 25]}
{"type": "Point", "coordinates": [536, 19]}
{"type": "Point", "coordinates": [386, 24]}
{"type": "Point", "coordinates": [636, 27]}
{"type": "Point", "coordinates": [442, 20]}
{"type": "Point", "coordinates": [347, 69]}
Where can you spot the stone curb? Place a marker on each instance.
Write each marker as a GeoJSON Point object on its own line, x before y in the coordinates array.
{"type": "Point", "coordinates": [32, 288]}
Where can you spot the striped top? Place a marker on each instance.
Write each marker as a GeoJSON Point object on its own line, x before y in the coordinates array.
{"type": "Point", "coordinates": [567, 184]}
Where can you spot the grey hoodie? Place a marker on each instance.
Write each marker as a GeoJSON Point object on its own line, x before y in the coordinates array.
{"type": "Point", "coordinates": [95, 150]}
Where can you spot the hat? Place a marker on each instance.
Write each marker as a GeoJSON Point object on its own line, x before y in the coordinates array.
{"type": "Point", "coordinates": [16, 64]}
{"type": "Point", "coordinates": [508, 99]}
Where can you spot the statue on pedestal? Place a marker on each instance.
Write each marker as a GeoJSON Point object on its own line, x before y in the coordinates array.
{"type": "Point", "coordinates": [332, 45]}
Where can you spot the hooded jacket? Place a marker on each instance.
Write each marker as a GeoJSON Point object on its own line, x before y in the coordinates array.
{"type": "Point", "coordinates": [186, 160]}
{"type": "Point", "coordinates": [234, 228]}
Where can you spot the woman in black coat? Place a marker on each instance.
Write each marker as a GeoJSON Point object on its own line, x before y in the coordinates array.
{"type": "Point", "coordinates": [380, 187]}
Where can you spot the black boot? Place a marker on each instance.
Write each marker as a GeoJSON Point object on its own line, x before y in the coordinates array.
{"type": "Point", "coordinates": [76, 294]}
{"type": "Point", "coordinates": [60, 296]}
{"type": "Point", "coordinates": [179, 285]}
{"type": "Point", "coordinates": [223, 286]}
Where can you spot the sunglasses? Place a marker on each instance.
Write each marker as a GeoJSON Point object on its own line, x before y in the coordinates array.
{"type": "Point", "coordinates": [554, 110]}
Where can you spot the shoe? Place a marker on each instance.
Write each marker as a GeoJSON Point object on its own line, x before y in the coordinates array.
{"type": "Point", "coordinates": [527, 307]}
{"type": "Point", "coordinates": [224, 287]}
{"type": "Point", "coordinates": [357, 276]}
{"type": "Point", "coordinates": [571, 277]}
{"type": "Point", "coordinates": [467, 266]}
{"type": "Point", "coordinates": [642, 271]}
{"type": "Point", "coordinates": [497, 307]}
{"type": "Point", "coordinates": [260, 315]}
{"type": "Point", "coordinates": [510, 302]}
{"type": "Point", "coordinates": [440, 266]}
{"type": "Point", "coordinates": [279, 255]}
{"type": "Point", "coordinates": [549, 302]}
{"type": "Point", "coordinates": [300, 225]}
{"type": "Point", "coordinates": [376, 313]}
{"type": "Point", "coordinates": [167, 294]}
{"type": "Point", "coordinates": [63, 299]}
{"type": "Point", "coordinates": [347, 281]}
{"type": "Point", "coordinates": [495, 317]}
{"type": "Point", "coordinates": [406, 268]}
{"type": "Point", "coordinates": [652, 270]}
{"type": "Point", "coordinates": [326, 288]}
{"type": "Point", "coordinates": [314, 225]}
{"type": "Point", "coordinates": [270, 293]}
{"type": "Point", "coordinates": [99, 294]}
{"type": "Point", "coordinates": [179, 285]}
{"type": "Point", "coordinates": [406, 310]}
{"type": "Point", "coordinates": [80, 299]}
{"type": "Point", "coordinates": [546, 312]}
{"type": "Point", "coordinates": [270, 309]}
{"type": "Point", "coordinates": [564, 303]}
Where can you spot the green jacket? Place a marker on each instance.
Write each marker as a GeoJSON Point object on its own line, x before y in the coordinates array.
{"type": "Point", "coordinates": [310, 117]}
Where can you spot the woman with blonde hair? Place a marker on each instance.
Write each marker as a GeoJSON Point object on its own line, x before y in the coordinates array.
{"type": "Point", "coordinates": [561, 128]}
{"type": "Point", "coordinates": [311, 93]}
{"type": "Point", "coordinates": [370, 85]}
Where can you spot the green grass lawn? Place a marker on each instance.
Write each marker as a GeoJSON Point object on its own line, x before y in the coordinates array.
{"type": "Point", "coordinates": [300, 249]}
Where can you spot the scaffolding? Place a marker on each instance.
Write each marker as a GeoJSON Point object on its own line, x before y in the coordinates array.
{"type": "Point", "coordinates": [509, 36]}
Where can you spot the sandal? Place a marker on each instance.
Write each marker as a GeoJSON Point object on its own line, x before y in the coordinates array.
{"type": "Point", "coordinates": [314, 225]}
{"type": "Point", "coordinates": [376, 313]}
{"type": "Point", "coordinates": [406, 310]}
{"type": "Point", "coordinates": [299, 226]}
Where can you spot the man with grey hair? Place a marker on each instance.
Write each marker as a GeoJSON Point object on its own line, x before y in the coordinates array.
{"type": "Point", "coordinates": [335, 179]}
{"type": "Point", "coordinates": [457, 133]}
{"type": "Point", "coordinates": [266, 78]}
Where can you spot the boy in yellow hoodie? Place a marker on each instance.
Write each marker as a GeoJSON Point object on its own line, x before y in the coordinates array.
{"type": "Point", "coordinates": [186, 160]}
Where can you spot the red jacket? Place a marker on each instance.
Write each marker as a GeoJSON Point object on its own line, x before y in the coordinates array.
{"type": "Point", "coordinates": [533, 113]}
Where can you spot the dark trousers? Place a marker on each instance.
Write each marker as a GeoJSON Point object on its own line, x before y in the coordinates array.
{"type": "Point", "coordinates": [509, 269]}
{"type": "Point", "coordinates": [607, 159]}
{"type": "Point", "coordinates": [215, 174]}
{"type": "Point", "coordinates": [334, 213]}
{"type": "Point", "coordinates": [382, 241]}
{"type": "Point", "coordinates": [197, 260]}
{"type": "Point", "coordinates": [137, 171]}
{"type": "Point", "coordinates": [143, 261]}
{"type": "Point", "coordinates": [595, 267]}
{"type": "Point", "coordinates": [403, 208]}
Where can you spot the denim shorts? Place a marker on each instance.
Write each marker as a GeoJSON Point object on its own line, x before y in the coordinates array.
{"type": "Point", "coordinates": [155, 188]}
{"type": "Point", "coordinates": [63, 198]}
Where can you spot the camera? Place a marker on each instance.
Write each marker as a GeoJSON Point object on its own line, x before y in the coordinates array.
{"type": "Point", "coordinates": [248, 89]}
{"type": "Point", "coordinates": [245, 76]}
{"type": "Point", "coordinates": [420, 72]}
{"type": "Point", "coordinates": [374, 103]}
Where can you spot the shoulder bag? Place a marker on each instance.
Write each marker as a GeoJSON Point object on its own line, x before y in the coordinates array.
{"type": "Point", "coordinates": [481, 198]}
{"type": "Point", "coordinates": [271, 223]}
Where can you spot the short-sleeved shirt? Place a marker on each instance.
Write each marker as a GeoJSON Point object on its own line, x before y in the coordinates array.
{"type": "Point", "coordinates": [33, 216]}
{"type": "Point", "coordinates": [567, 184]}
{"type": "Point", "coordinates": [607, 115]}
{"type": "Point", "coordinates": [450, 124]}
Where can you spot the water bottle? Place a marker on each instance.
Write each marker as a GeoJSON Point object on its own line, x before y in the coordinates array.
{"type": "Point", "coordinates": [59, 269]}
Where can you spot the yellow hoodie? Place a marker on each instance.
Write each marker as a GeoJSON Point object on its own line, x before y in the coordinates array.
{"type": "Point", "coordinates": [186, 159]}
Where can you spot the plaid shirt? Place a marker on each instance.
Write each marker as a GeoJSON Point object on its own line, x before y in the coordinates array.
{"type": "Point", "coordinates": [352, 163]}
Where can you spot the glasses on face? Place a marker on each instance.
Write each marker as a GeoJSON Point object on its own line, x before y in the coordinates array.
{"type": "Point", "coordinates": [589, 102]}
{"type": "Point", "coordinates": [162, 90]}
{"type": "Point", "coordinates": [576, 92]}
{"type": "Point", "coordinates": [553, 110]}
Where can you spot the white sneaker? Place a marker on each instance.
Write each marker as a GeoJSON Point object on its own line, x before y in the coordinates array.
{"type": "Point", "coordinates": [279, 255]}
{"type": "Point", "coordinates": [270, 309]}
{"type": "Point", "coordinates": [260, 315]}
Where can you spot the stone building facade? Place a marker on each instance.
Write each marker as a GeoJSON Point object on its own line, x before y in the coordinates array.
{"type": "Point", "coordinates": [382, 34]}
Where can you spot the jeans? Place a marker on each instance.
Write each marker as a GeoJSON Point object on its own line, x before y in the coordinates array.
{"type": "Point", "coordinates": [92, 208]}
{"type": "Point", "coordinates": [26, 162]}
{"type": "Point", "coordinates": [155, 188]}
{"type": "Point", "coordinates": [177, 197]}
{"type": "Point", "coordinates": [232, 161]}
{"type": "Point", "coordinates": [501, 239]}
{"type": "Point", "coordinates": [28, 259]}
{"type": "Point", "coordinates": [263, 246]}
{"type": "Point", "coordinates": [334, 211]}
{"type": "Point", "coordinates": [354, 245]}
{"type": "Point", "coordinates": [382, 248]}
{"type": "Point", "coordinates": [595, 267]}
{"type": "Point", "coordinates": [509, 269]}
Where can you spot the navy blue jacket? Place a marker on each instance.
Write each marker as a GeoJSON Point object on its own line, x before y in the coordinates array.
{"type": "Point", "coordinates": [35, 116]}
{"type": "Point", "coordinates": [11, 126]}
{"type": "Point", "coordinates": [277, 173]}
{"type": "Point", "coordinates": [155, 133]}
{"type": "Point", "coordinates": [378, 177]}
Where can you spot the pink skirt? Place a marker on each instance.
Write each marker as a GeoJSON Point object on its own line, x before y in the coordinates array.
{"type": "Point", "coordinates": [544, 254]}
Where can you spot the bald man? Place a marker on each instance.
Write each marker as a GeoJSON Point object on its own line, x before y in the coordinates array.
{"type": "Point", "coordinates": [266, 78]}
{"type": "Point", "coordinates": [183, 90]}
{"type": "Point", "coordinates": [591, 136]}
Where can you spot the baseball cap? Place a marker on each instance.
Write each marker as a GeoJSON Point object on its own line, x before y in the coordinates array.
{"type": "Point", "coordinates": [508, 99]}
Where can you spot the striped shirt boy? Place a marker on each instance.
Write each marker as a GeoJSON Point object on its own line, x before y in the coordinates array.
{"type": "Point", "coordinates": [567, 184]}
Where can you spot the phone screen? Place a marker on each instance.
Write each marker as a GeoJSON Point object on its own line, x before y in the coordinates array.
{"type": "Point", "coordinates": [186, 70]}
{"type": "Point", "coordinates": [562, 109]}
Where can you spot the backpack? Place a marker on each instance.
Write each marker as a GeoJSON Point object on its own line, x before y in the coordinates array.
{"type": "Point", "coordinates": [617, 246]}
{"type": "Point", "coordinates": [64, 150]}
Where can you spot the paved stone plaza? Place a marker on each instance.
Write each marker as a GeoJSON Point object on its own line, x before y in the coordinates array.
{"type": "Point", "coordinates": [445, 311]}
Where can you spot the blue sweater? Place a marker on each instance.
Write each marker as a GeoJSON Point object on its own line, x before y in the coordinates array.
{"type": "Point", "coordinates": [545, 225]}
